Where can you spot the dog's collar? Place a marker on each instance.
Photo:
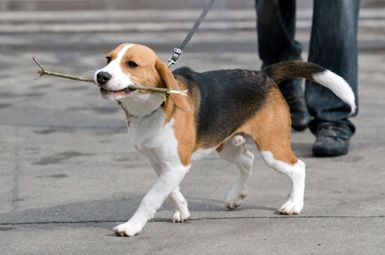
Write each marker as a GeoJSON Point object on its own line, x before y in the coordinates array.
{"type": "Point", "coordinates": [164, 96]}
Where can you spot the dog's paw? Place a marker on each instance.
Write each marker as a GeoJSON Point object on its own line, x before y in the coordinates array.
{"type": "Point", "coordinates": [234, 201]}
{"type": "Point", "coordinates": [179, 216]}
{"type": "Point", "coordinates": [127, 229]}
{"type": "Point", "coordinates": [291, 207]}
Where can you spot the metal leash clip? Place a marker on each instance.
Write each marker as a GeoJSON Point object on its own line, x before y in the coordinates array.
{"type": "Point", "coordinates": [174, 58]}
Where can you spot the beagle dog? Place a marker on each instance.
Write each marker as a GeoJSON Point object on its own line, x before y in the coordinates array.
{"type": "Point", "coordinates": [222, 108]}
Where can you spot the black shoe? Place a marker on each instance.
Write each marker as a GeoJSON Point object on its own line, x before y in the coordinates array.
{"type": "Point", "coordinates": [294, 95]}
{"type": "Point", "coordinates": [332, 140]}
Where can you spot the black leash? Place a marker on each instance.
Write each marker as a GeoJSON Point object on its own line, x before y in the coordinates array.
{"type": "Point", "coordinates": [179, 50]}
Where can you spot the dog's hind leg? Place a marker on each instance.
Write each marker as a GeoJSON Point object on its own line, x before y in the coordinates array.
{"type": "Point", "coordinates": [270, 129]}
{"type": "Point", "coordinates": [235, 151]}
{"type": "Point", "coordinates": [293, 168]}
{"type": "Point", "coordinates": [271, 132]}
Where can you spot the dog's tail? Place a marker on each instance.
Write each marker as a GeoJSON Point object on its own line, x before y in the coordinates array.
{"type": "Point", "coordinates": [298, 69]}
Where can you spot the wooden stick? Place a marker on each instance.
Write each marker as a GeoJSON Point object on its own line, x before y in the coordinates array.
{"type": "Point", "coordinates": [43, 72]}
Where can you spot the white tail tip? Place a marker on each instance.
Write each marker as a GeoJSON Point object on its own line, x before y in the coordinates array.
{"type": "Point", "coordinates": [338, 86]}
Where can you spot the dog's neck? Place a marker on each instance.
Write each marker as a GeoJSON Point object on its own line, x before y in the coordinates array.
{"type": "Point", "coordinates": [148, 131]}
{"type": "Point", "coordinates": [141, 105]}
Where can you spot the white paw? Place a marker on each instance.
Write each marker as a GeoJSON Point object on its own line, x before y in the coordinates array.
{"type": "Point", "coordinates": [233, 202]}
{"type": "Point", "coordinates": [128, 229]}
{"type": "Point", "coordinates": [179, 216]}
{"type": "Point", "coordinates": [291, 207]}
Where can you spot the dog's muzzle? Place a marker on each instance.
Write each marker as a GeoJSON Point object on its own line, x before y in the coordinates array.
{"type": "Point", "coordinates": [102, 79]}
{"type": "Point", "coordinates": [120, 93]}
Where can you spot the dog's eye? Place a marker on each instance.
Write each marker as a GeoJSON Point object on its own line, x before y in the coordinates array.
{"type": "Point", "coordinates": [132, 64]}
{"type": "Point", "coordinates": [108, 60]}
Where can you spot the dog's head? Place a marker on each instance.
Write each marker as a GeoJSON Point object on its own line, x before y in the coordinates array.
{"type": "Point", "coordinates": [134, 64]}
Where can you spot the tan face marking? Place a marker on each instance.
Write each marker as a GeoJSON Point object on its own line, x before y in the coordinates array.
{"type": "Point", "coordinates": [144, 71]}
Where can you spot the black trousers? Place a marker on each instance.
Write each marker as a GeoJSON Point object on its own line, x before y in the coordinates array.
{"type": "Point", "coordinates": [333, 45]}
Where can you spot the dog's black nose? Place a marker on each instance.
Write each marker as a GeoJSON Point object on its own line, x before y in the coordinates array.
{"type": "Point", "coordinates": [103, 77]}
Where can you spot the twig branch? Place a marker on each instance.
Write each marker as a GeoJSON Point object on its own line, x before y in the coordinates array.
{"type": "Point", "coordinates": [43, 72]}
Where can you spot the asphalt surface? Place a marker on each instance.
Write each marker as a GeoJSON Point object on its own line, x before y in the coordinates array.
{"type": "Point", "coordinates": [68, 175]}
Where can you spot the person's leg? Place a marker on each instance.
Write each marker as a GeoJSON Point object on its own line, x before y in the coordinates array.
{"type": "Point", "coordinates": [276, 30]}
{"type": "Point", "coordinates": [333, 45]}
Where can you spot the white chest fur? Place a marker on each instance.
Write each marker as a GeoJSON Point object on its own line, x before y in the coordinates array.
{"type": "Point", "coordinates": [154, 139]}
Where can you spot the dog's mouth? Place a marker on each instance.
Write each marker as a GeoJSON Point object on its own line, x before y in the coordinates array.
{"type": "Point", "coordinates": [120, 93]}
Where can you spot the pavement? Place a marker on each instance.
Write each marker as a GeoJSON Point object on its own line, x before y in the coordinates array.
{"type": "Point", "coordinates": [68, 174]}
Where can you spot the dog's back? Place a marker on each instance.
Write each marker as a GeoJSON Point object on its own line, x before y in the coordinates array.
{"type": "Point", "coordinates": [227, 99]}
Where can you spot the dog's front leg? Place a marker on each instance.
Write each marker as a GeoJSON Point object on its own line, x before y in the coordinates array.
{"type": "Point", "coordinates": [181, 212]}
{"type": "Point", "coordinates": [168, 180]}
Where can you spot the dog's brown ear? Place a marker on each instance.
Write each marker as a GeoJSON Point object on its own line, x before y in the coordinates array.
{"type": "Point", "coordinates": [171, 83]}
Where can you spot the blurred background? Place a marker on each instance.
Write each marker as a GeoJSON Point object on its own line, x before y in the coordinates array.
{"type": "Point", "coordinates": [98, 25]}
{"type": "Point", "coordinates": [33, 5]}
